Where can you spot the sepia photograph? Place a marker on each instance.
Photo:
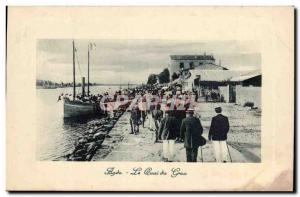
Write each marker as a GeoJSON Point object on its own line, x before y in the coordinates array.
{"type": "Point", "coordinates": [132, 98]}
{"type": "Point", "coordinates": [148, 100]}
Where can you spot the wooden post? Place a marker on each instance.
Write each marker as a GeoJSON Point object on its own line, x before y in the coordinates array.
{"type": "Point", "coordinates": [74, 81]}
{"type": "Point", "coordinates": [88, 85]}
{"type": "Point", "coordinates": [83, 86]}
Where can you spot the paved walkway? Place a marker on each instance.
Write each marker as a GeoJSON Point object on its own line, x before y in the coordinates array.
{"type": "Point", "coordinates": [123, 146]}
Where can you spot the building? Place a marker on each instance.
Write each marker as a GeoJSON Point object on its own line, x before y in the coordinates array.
{"type": "Point", "coordinates": [252, 78]}
{"type": "Point", "coordinates": [239, 87]}
{"type": "Point", "coordinates": [246, 89]}
{"type": "Point", "coordinates": [209, 79]}
{"type": "Point", "coordinates": [179, 63]}
{"type": "Point", "coordinates": [214, 82]}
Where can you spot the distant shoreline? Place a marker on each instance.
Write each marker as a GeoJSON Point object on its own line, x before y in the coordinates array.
{"type": "Point", "coordinates": [55, 87]}
{"type": "Point", "coordinates": [116, 84]}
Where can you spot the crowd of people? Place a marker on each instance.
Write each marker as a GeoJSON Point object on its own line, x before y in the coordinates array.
{"type": "Point", "coordinates": [174, 121]}
{"type": "Point", "coordinates": [170, 111]}
{"type": "Point", "coordinates": [212, 95]}
{"type": "Point", "coordinates": [105, 102]}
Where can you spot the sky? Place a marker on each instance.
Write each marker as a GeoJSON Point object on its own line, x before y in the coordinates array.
{"type": "Point", "coordinates": [131, 61]}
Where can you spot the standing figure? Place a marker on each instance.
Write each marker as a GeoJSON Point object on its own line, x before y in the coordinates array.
{"type": "Point", "coordinates": [167, 131]}
{"type": "Point", "coordinates": [59, 97]}
{"type": "Point", "coordinates": [180, 115]}
{"type": "Point", "coordinates": [157, 116]}
{"type": "Point", "coordinates": [135, 120]}
{"type": "Point", "coordinates": [152, 107]}
{"type": "Point", "coordinates": [218, 134]}
{"type": "Point", "coordinates": [143, 109]}
{"type": "Point", "coordinates": [191, 131]}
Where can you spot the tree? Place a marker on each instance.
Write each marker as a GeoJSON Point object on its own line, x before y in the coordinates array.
{"type": "Point", "coordinates": [164, 76]}
{"type": "Point", "coordinates": [152, 79]}
{"type": "Point", "coordinates": [175, 76]}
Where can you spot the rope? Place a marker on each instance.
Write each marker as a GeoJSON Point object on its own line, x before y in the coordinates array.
{"type": "Point", "coordinates": [78, 63]}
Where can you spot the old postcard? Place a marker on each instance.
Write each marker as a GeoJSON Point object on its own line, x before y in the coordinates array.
{"type": "Point", "coordinates": [133, 98]}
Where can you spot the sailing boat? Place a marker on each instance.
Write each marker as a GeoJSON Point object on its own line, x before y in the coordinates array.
{"type": "Point", "coordinates": [77, 108]}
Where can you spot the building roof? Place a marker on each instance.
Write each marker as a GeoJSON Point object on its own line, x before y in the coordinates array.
{"type": "Point", "coordinates": [192, 57]}
{"type": "Point", "coordinates": [210, 66]}
{"type": "Point", "coordinates": [215, 75]}
{"type": "Point", "coordinates": [246, 76]}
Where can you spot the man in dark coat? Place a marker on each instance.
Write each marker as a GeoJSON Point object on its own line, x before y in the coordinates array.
{"type": "Point", "coordinates": [180, 116]}
{"type": "Point", "coordinates": [168, 130]}
{"type": "Point", "coordinates": [191, 131]}
{"type": "Point", "coordinates": [218, 134]}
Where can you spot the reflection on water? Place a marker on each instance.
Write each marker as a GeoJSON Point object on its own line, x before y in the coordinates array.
{"type": "Point", "coordinates": [55, 134]}
{"type": "Point", "coordinates": [75, 121]}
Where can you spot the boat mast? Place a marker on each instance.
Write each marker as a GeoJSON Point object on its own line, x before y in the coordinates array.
{"type": "Point", "coordinates": [88, 85]}
{"type": "Point", "coordinates": [74, 82]}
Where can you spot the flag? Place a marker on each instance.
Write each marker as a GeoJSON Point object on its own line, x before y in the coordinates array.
{"type": "Point", "coordinates": [92, 46]}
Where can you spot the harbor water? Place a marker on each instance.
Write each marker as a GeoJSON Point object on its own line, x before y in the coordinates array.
{"type": "Point", "coordinates": [56, 136]}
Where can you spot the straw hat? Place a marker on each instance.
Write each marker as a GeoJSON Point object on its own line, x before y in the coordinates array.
{"type": "Point", "coordinates": [190, 110]}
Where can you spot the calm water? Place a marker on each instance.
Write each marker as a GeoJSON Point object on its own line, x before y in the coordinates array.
{"type": "Point", "coordinates": [56, 137]}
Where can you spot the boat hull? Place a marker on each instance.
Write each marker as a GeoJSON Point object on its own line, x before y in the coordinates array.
{"type": "Point", "coordinates": [77, 109]}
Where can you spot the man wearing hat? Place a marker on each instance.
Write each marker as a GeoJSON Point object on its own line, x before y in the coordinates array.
{"type": "Point", "coordinates": [168, 130]}
{"type": "Point", "coordinates": [191, 131]}
{"type": "Point", "coordinates": [218, 134]}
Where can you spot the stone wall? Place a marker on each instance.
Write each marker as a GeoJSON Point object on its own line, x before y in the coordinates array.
{"type": "Point", "coordinates": [248, 94]}
{"type": "Point", "coordinates": [224, 90]}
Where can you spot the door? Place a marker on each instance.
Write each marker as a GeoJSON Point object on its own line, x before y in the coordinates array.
{"type": "Point", "coordinates": [232, 93]}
